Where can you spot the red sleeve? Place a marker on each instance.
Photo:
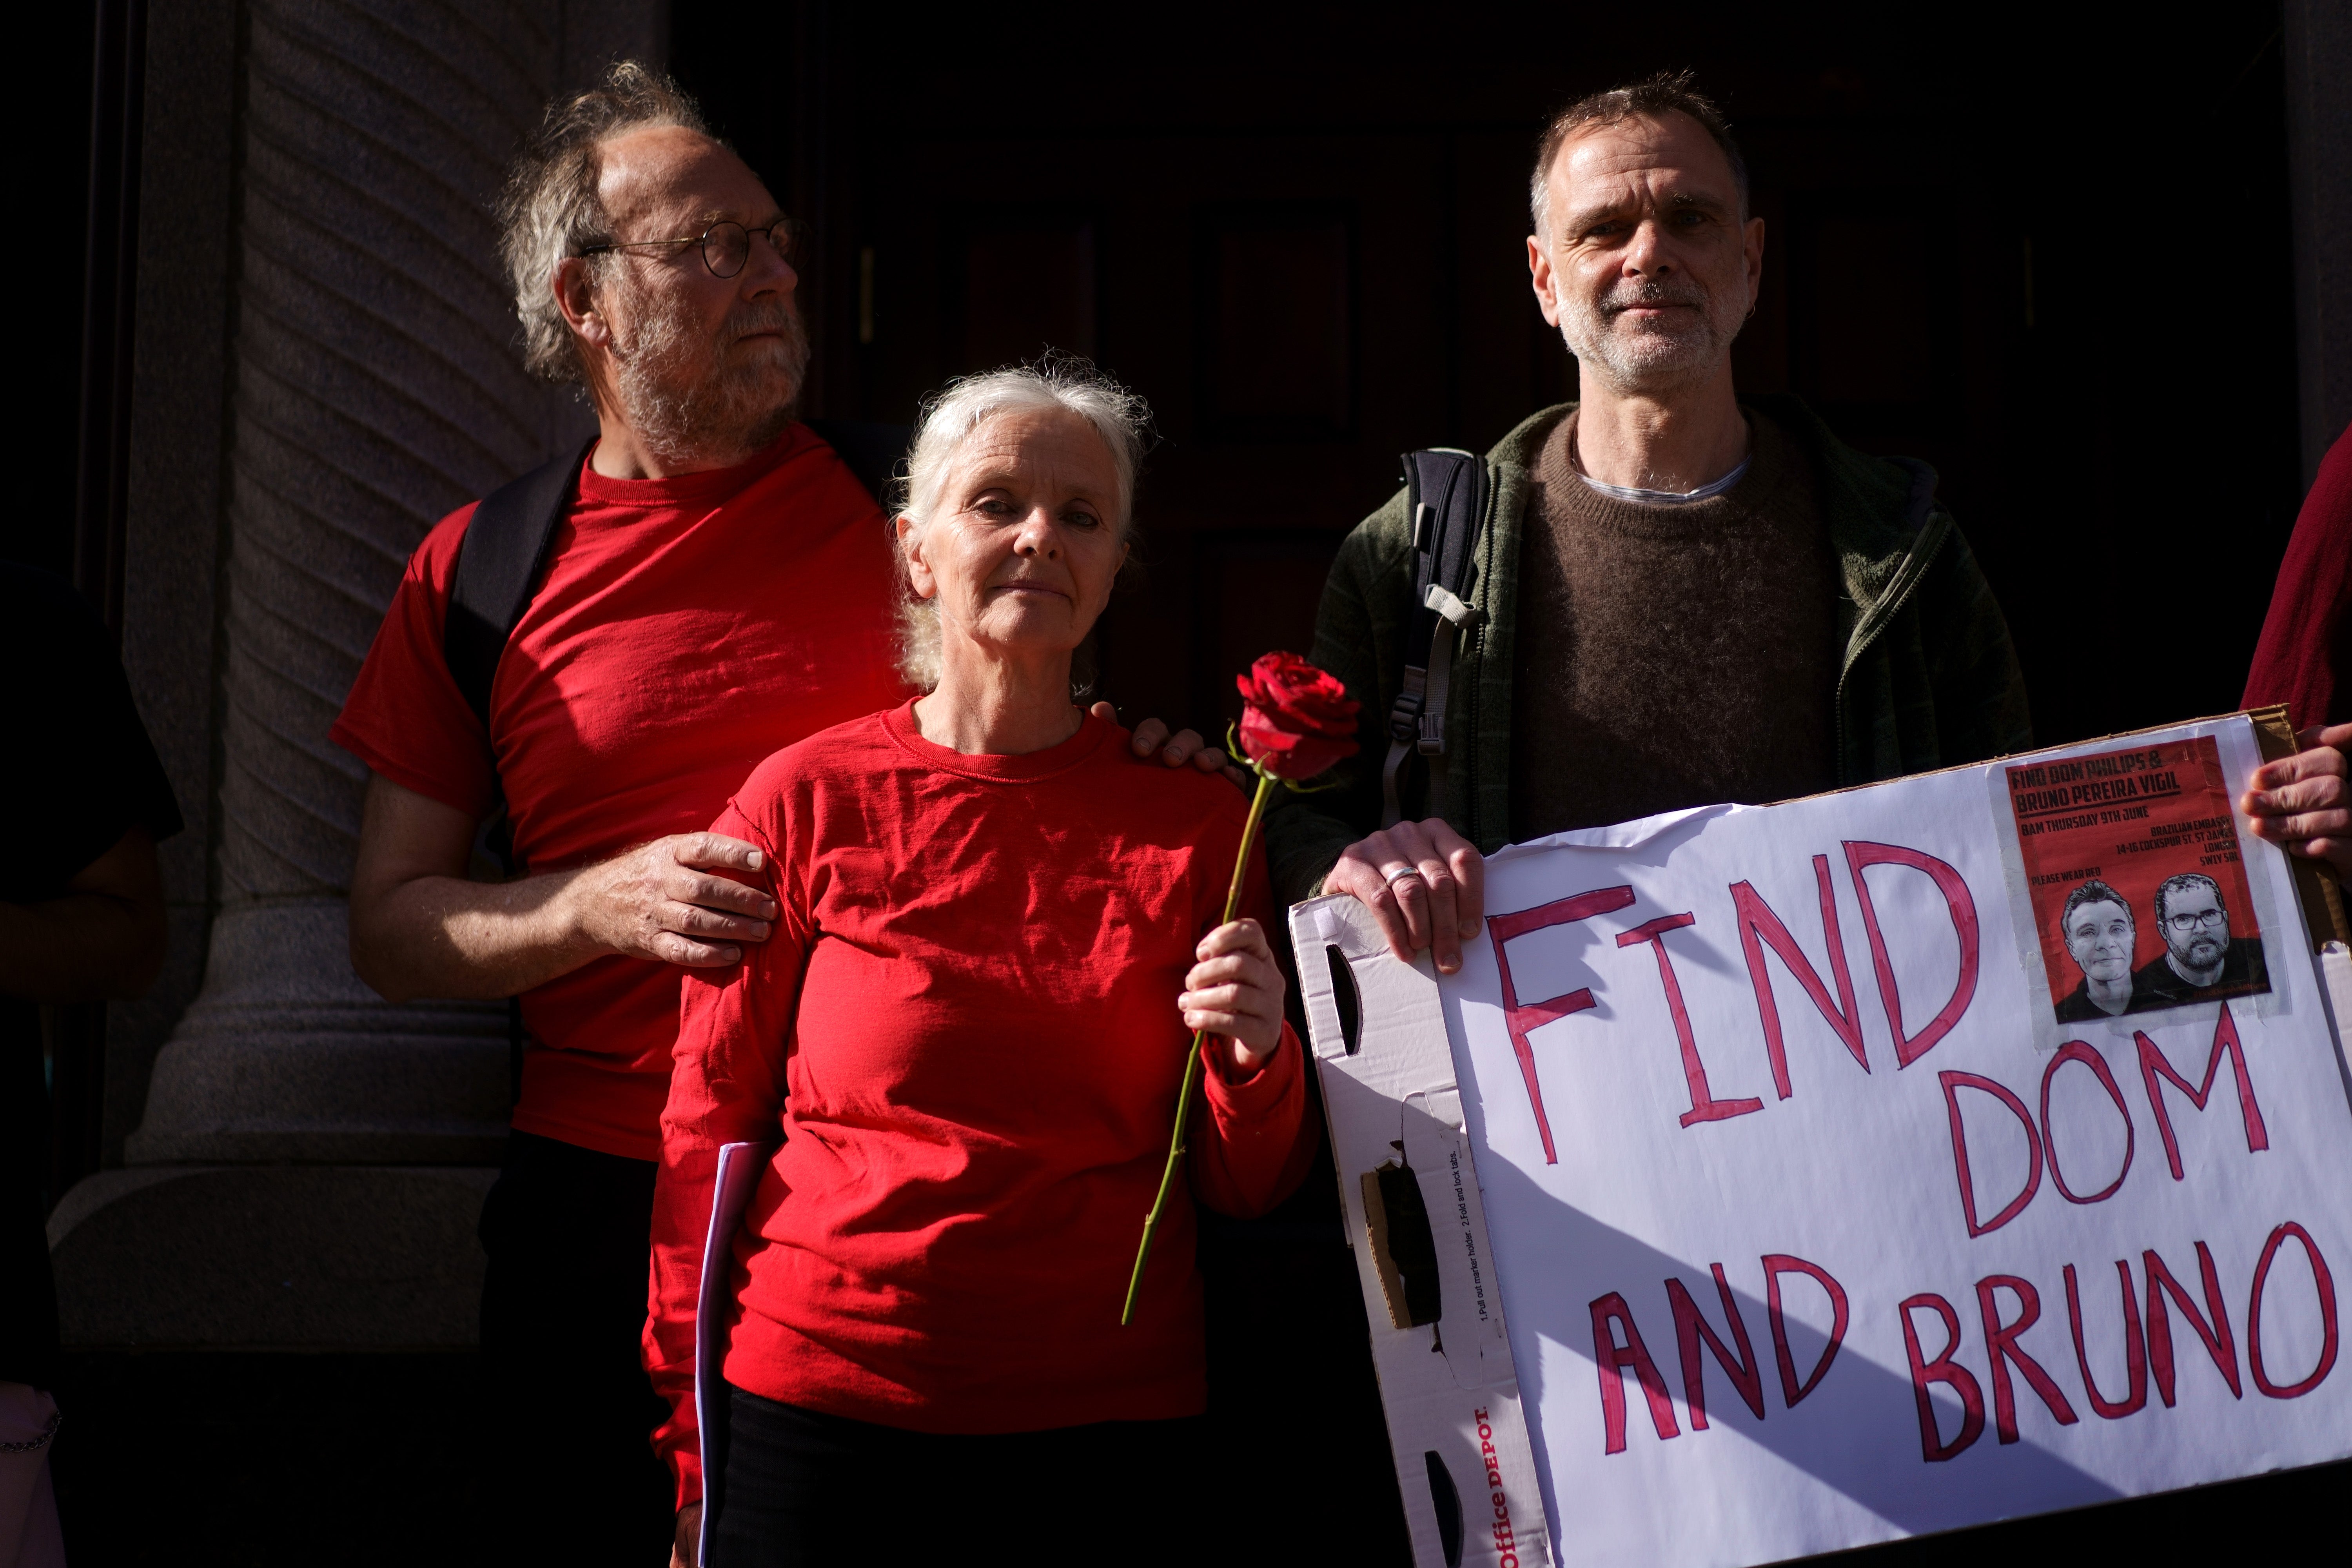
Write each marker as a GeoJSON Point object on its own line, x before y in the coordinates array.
{"type": "Point", "coordinates": [1251, 1144]}
{"type": "Point", "coordinates": [405, 718]}
{"type": "Point", "coordinates": [2303, 639]}
{"type": "Point", "coordinates": [727, 1086]}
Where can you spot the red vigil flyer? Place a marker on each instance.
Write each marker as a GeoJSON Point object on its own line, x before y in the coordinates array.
{"type": "Point", "coordinates": [2139, 896]}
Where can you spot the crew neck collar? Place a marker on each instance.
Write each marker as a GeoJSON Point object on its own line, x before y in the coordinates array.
{"type": "Point", "coordinates": [1639, 496]}
{"type": "Point", "coordinates": [989, 767]}
{"type": "Point", "coordinates": [708, 484]}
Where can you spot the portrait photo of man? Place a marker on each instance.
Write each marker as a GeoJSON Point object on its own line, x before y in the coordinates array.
{"type": "Point", "coordinates": [2200, 960]}
{"type": "Point", "coordinates": [2099, 932]}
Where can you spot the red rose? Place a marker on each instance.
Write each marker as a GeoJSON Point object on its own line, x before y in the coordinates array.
{"type": "Point", "coordinates": [1297, 720]}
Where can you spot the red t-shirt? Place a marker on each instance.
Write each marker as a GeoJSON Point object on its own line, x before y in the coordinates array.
{"type": "Point", "coordinates": [687, 628]}
{"type": "Point", "coordinates": [965, 1028]}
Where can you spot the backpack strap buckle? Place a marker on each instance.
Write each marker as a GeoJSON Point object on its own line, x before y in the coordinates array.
{"type": "Point", "coordinates": [1447, 491]}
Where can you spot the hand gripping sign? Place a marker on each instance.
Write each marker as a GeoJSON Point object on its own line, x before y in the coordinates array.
{"type": "Point", "coordinates": [1773, 1181]}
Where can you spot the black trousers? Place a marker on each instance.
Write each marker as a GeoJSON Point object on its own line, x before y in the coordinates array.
{"type": "Point", "coordinates": [570, 1415]}
{"type": "Point", "coordinates": [803, 1489]}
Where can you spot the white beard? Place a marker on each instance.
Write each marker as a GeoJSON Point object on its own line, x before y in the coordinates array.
{"type": "Point", "coordinates": [685, 415]}
{"type": "Point", "coordinates": [1652, 358]}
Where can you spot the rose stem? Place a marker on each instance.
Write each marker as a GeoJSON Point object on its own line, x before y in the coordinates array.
{"type": "Point", "coordinates": [1184, 1098]}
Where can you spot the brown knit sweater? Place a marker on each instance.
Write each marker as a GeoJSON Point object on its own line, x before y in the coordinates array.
{"type": "Point", "coordinates": [1672, 656]}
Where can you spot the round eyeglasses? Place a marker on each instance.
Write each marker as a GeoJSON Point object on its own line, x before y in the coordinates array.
{"type": "Point", "coordinates": [726, 245]}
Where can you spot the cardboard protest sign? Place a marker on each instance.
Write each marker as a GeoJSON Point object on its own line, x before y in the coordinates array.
{"type": "Point", "coordinates": [1807, 1211]}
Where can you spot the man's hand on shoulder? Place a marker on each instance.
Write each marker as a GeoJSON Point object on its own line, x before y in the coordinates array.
{"type": "Point", "coordinates": [2304, 803]}
{"type": "Point", "coordinates": [1423, 882]}
{"type": "Point", "coordinates": [663, 900]}
{"type": "Point", "coordinates": [1185, 748]}
{"type": "Point", "coordinates": [421, 927]}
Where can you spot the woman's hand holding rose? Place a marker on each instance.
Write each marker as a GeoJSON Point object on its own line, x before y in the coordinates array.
{"type": "Point", "coordinates": [1235, 992]}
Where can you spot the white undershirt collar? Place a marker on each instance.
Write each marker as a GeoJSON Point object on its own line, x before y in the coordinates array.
{"type": "Point", "coordinates": [1640, 497]}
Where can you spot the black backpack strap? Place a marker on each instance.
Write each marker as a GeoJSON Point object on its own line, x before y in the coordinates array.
{"type": "Point", "coordinates": [500, 562]}
{"type": "Point", "coordinates": [872, 451]}
{"type": "Point", "coordinates": [1447, 493]}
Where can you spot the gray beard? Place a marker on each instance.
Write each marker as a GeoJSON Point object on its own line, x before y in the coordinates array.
{"type": "Point", "coordinates": [1652, 360]}
{"type": "Point", "coordinates": [684, 417]}
{"type": "Point", "coordinates": [2182, 966]}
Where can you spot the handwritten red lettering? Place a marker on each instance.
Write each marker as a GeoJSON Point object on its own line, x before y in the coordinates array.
{"type": "Point", "coordinates": [1759, 927]}
{"type": "Point", "coordinates": [2003, 1349]}
{"type": "Point", "coordinates": [1521, 1018]}
{"type": "Point", "coordinates": [2153, 1065]}
{"type": "Point", "coordinates": [2213, 1329]}
{"type": "Point", "coordinates": [1705, 1106]}
{"type": "Point", "coordinates": [2076, 1051]}
{"type": "Point", "coordinates": [2134, 1349]}
{"type": "Point", "coordinates": [1958, 902]}
{"type": "Point", "coordinates": [1613, 1358]}
{"type": "Point", "coordinates": [1955, 1081]}
{"type": "Point", "coordinates": [1775, 1265]}
{"type": "Point", "coordinates": [1941, 1369]}
{"type": "Point", "coordinates": [2326, 1285]}
{"type": "Point", "coordinates": [1691, 1327]}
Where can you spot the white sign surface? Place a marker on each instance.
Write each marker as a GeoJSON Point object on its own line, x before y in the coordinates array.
{"type": "Point", "coordinates": [1822, 1213]}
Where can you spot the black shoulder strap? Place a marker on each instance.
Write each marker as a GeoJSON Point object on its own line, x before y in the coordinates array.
{"type": "Point", "coordinates": [504, 553]}
{"type": "Point", "coordinates": [1446, 492]}
{"type": "Point", "coordinates": [498, 566]}
{"type": "Point", "coordinates": [872, 451]}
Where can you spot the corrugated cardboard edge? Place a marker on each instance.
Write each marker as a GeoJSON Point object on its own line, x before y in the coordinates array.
{"type": "Point", "coordinates": [1449, 1389]}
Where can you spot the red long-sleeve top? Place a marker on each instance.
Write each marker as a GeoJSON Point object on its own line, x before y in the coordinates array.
{"type": "Point", "coordinates": [964, 1029]}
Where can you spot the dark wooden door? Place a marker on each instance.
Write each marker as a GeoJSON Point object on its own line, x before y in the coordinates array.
{"type": "Point", "coordinates": [1298, 231]}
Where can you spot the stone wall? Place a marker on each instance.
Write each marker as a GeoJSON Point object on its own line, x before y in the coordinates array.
{"type": "Point", "coordinates": [326, 365]}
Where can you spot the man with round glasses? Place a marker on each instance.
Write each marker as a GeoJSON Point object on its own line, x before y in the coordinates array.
{"type": "Point", "coordinates": [721, 586]}
{"type": "Point", "coordinates": [725, 246]}
{"type": "Point", "coordinates": [2201, 960]}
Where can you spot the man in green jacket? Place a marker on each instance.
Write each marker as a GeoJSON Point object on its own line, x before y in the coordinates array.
{"type": "Point", "coordinates": [1678, 599]}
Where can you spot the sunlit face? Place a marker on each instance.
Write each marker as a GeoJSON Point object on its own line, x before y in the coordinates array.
{"type": "Point", "coordinates": [1648, 270]}
{"type": "Point", "coordinates": [2196, 926]}
{"type": "Point", "coordinates": [1028, 537]}
{"type": "Point", "coordinates": [2100, 937]}
{"type": "Point", "coordinates": [700, 362]}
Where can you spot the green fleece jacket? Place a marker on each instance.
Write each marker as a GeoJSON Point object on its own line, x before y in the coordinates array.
{"type": "Point", "coordinates": [1929, 679]}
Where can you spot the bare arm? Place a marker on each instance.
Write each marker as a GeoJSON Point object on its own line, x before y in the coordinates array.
{"type": "Point", "coordinates": [420, 929]}
{"type": "Point", "coordinates": [102, 938]}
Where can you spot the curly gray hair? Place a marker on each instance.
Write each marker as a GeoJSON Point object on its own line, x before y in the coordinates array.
{"type": "Point", "coordinates": [948, 419]}
{"type": "Point", "coordinates": [549, 209]}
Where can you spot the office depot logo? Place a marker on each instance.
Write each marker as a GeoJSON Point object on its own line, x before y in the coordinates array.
{"type": "Point", "coordinates": [1506, 1546]}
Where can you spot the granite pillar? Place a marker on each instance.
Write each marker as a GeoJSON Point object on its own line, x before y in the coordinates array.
{"type": "Point", "coordinates": [335, 371]}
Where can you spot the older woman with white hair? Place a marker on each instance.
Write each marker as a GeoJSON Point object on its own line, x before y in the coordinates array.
{"type": "Point", "coordinates": [999, 931]}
